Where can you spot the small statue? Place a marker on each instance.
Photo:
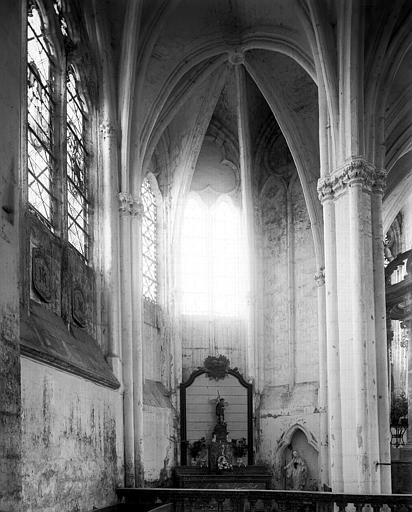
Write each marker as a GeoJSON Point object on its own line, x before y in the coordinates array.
{"type": "Point", "coordinates": [220, 410]}
{"type": "Point", "coordinates": [296, 472]}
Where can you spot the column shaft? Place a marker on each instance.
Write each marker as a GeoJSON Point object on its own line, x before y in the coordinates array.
{"type": "Point", "coordinates": [322, 394]}
{"type": "Point", "coordinates": [332, 352]}
{"type": "Point", "coordinates": [127, 343]}
{"type": "Point", "coordinates": [137, 329]}
{"type": "Point", "coordinates": [245, 154]}
{"type": "Point", "coordinates": [381, 343]}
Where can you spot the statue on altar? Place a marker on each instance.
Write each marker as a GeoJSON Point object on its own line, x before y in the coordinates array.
{"type": "Point", "coordinates": [296, 472]}
{"type": "Point", "coordinates": [220, 410]}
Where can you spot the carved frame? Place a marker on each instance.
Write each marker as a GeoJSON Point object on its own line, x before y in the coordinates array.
{"type": "Point", "coordinates": [183, 424]}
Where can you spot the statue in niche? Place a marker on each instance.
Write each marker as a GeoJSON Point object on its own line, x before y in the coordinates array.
{"type": "Point", "coordinates": [296, 472]}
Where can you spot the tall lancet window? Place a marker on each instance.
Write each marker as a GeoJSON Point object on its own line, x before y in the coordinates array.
{"type": "Point", "coordinates": [77, 170]}
{"type": "Point", "coordinates": [149, 241]}
{"type": "Point", "coordinates": [40, 109]}
{"type": "Point", "coordinates": [212, 271]}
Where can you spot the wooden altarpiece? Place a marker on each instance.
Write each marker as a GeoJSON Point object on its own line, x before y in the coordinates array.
{"type": "Point", "coordinates": [216, 369]}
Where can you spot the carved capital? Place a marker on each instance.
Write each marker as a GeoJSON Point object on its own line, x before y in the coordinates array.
{"type": "Point", "coordinates": [325, 189]}
{"type": "Point", "coordinates": [320, 277]}
{"type": "Point", "coordinates": [357, 171]}
{"type": "Point", "coordinates": [124, 203]}
{"type": "Point", "coordinates": [379, 182]}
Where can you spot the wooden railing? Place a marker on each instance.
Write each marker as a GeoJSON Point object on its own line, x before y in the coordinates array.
{"type": "Point", "coordinates": [240, 500]}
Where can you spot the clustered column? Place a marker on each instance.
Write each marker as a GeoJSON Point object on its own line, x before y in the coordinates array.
{"type": "Point", "coordinates": [130, 211]}
{"type": "Point", "coordinates": [357, 377]}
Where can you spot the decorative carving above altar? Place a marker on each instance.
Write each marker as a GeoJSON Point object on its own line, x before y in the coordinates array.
{"type": "Point", "coordinates": [216, 367]}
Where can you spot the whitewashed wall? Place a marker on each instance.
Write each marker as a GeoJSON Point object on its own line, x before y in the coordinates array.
{"type": "Point", "coordinates": [72, 441]}
{"type": "Point", "coordinates": [289, 398]}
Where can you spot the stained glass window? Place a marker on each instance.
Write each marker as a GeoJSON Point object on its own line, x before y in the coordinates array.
{"type": "Point", "coordinates": [49, 149]}
{"type": "Point", "coordinates": [149, 241]}
{"type": "Point", "coordinates": [40, 159]}
{"type": "Point", "coordinates": [77, 175]}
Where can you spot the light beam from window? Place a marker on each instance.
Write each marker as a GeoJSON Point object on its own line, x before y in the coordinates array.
{"type": "Point", "coordinates": [212, 270]}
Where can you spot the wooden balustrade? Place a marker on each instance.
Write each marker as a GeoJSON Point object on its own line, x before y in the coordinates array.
{"type": "Point", "coordinates": [252, 500]}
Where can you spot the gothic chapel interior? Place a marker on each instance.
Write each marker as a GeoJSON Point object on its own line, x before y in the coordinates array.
{"type": "Point", "coordinates": [206, 247]}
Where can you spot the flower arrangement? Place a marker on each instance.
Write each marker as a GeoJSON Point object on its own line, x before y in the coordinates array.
{"type": "Point", "coordinates": [239, 447]}
{"type": "Point", "coordinates": [196, 447]}
{"type": "Point", "coordinates": [223, 464]}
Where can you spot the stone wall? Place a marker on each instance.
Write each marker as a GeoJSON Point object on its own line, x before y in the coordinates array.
{"type": "Point", "coordinates": [159, 417]}
{"type": "Point", "coordinates": [10, 100]}
{"type": "Point", "coordinates": [72, 441]}
{"type": "Point", "coordinates": [288, 402]}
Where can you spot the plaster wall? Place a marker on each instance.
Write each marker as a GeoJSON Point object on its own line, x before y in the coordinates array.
{"type": "Point", "coordinates": [203, 336]}
{"type": "Point", "coordinates": [72, 441]}
{"type": "Point", "coordinates": [155, 352]}
{"type": "Point", "coordinates": [306, 314]}
{"type": "Point", "coordinates": [160, 443]}
{"type": "Point", "coordinates": [290, 395]}
{"type": "Point", "coordinates": [159, 419]}
{"type": "Point", "coordinates": [10, 101]}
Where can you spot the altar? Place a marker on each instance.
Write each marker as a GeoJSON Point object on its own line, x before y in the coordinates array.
{"type": "Point", "coordinates": [249, 477]}
{"type": "Point", "coordinates": [217, 430]}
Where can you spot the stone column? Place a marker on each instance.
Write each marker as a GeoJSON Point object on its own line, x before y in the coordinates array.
{"type": "Point", "coordinates": [322, 393]}
{"type": "Point", "coordinates": [137, 329]}
{"type": "Point", "coordinates": [407, 325]}
{"type": "Point", "coordinates": [127, 337]}
{"type": "Point", "coordinates": [383, 388]}
{"type": "Point", "coordinates": [350, 187]}
{"type": "Point", "coordinates": [109, 234]}
{"type": "Point", "coordinates": [245, 157]}
{"type": "Point", "coordinates": [332, 338]}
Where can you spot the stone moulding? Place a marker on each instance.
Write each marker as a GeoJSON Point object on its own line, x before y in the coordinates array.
{"type": "Point", "coordinates": [45, 338]}
{"type": "Point", "coordinates": [355, 172]}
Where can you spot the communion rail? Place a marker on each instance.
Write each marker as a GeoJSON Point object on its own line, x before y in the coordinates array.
{"type": "Point", "coordinates": [252, 500]}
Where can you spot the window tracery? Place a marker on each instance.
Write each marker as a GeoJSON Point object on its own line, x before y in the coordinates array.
{"type": "Point", "coordinates": [40, 158]}
{"type": "Point", "coordinates": [77, 176]}
{"type": "Point", "coordinates": [149, 242]}
{"type": "Point", "coordinates": [57, 153]}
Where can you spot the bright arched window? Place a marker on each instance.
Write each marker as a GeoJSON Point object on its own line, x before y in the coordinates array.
{"type": "Point", "coordinates": [58, 128]}
{"type": "Point", "coordinates": [76, 162]}
{"type": "Point", "coordinates": [212, 270]}
{"type": "Point", "coordinates": [40, 105]}
{"type": "Point", "coordinates": [149, 242]}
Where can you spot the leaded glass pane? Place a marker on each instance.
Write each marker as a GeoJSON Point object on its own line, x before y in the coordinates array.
{"type": "Point", "coordinates": [149, 242]}
{"type": "Point", "coordinates": [39, 118]}
{"type": "Point", "coordinates": [77, 173]}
